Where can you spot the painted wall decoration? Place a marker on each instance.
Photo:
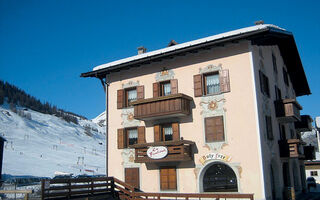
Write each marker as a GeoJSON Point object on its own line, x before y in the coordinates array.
{"type": "Point", "coordinates": [164, 75]}
{"type": "Point", "coordinates": [214, 156]}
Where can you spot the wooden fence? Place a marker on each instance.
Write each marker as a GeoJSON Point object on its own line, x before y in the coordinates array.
{"type": "Point", "coordinates": [109, 186]}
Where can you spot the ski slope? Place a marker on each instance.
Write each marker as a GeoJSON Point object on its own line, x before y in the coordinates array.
{"type": "Point", "coordinates": [46, 144]}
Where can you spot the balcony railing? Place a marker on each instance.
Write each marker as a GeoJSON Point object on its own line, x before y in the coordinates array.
{"type": "Point", "coordinates": [309, 152]}
{"type": "Point", "coordinates": [290, 148]}
{"type": "Point", "coordinates": [161, 107]}
{"type": "Point", "coordinates": [304, 124]}
{"type": "Point", "coordinates": [180, 150]}
{"type": "Point", "coordinates": [287, 110]}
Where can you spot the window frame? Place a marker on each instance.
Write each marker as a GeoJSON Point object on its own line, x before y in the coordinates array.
{"type": "Point", "coordinates": [285, 76]}
{"type": "Point", "coordinates": [204, 83]}
{"type": "Point", "coordinates": [162, 133]}
{"type": "Point", "coordinates": [205, 129]}
{"type": "Point", "coordinates": [127, 135]}
{"type": "Point", "coordinates": [126, 99]}
{"type": "Point", "coordinates": [161, 170]}
{"type": "Point", "coordinates": [161, 88]}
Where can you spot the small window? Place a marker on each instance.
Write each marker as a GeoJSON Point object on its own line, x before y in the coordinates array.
{"type": "Point", "coordinates": [269, 127]}
{"type": "Point", "coordinates": [131, 95]}
{"type": "Point", "coordinates": [165, 88]}
{"type": "Point", "coordinates": [214, 129]}
{"type": "Point", "coordinates": [274, 62]}
{"type": "Point", "coordinates": [166, 132]}
{"type": "Point", "coordinates": [132, 136]}
{"type": "Point", "coordinates": [314, 173]}
{"type": "Point", "coordinates": [212, 83]}
{"type": "Point", "coordinates": [285, 76]}
{"type": "Point", "coordinates": [278, 93]}
{"type": "Point", "coordinates": [264, 84]}
{"type": "Point", "coordinates": [282, 130]}
{"type": "Point", "coordinates": [168, 178]}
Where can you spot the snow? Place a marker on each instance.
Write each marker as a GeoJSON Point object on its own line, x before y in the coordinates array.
{"type": "Point", "coordinates": [193, 43]}
{"type": "Point", "coordinates": [100, 119]}
{"type": "Point", "coordinates": [46, 144]}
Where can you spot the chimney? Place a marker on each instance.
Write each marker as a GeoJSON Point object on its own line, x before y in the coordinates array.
{"type": "Point", "coordinates": [141, 50]}
{"type": "Point", "coordinates": [259, 22]}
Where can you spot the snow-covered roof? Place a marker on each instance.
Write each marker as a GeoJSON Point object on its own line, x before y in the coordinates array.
{"type": "Point", "coordinates": [191, 43]}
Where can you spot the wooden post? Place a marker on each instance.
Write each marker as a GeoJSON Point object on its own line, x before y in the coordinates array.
{"type": "Point", "coordinates": [69, 190]}
{"type": "Point", "coordinates": [42, 189]}
{"type": "Point", "coordinates": [26, 196]}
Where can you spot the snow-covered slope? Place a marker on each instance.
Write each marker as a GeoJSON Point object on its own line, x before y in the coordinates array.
{"type": "Point", "coordinates": [100, 119]}
{"type": "Point", "coordinates": [44, 144]}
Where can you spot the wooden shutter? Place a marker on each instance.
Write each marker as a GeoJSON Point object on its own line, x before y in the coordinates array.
{"type": "Point", "coordinates": [141, 135]}
{"type": "Point", "coordinates": [198, 85]}
{"type": "Point", "coordinates": [156, 89]}
{"type": "Point", "coordinates": [157, 133]}
{"type": "Point", "coordinates": [214, 129]}
{"type": "Point", "coordinates": [132, 177]}
{"type": "Point", "coordinates": [120, 99]}
{"type": "Point", "coordinates": [175, 130]}
{"type": "Point", "coordinates": [224, 80]}
{"type": "Point", "coordinates": [140, 92]}
{"type": "Point", "coordinates": [121, 139]}
{"type": "Point", "coordinates": [168, 178]}
{"type": "Point", "coordinates": [174, 86]}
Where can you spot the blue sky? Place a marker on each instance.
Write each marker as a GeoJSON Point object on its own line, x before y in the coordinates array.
{"type": "Point", "coordinates": [46, 45]}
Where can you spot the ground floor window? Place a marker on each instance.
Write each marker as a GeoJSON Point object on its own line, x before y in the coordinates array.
{"type": "Point", "coordinates": [132, 177]}
{"type": "Point", "coordinates": [219, 178]}
{"type": "Point", "coordinates": [168, 178]}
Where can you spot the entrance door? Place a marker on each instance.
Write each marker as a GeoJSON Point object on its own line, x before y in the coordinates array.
{"type": "Point", "coordinates": [219, 178]}
{"type": "Point", "coordinates": [132, 177]}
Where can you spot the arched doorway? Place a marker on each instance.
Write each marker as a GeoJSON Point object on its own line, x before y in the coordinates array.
{"type": "Point", "coordinates": [219, 177]}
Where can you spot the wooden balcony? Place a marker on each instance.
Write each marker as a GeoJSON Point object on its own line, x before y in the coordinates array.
{"type": "Point", "coordinates": [305, 124]}
{"type": "Point", "coordinates": [287, 110]}
{"type": "Point", "coordinates": [162, 107]}
{"type": "Point", "coordinates": [180, 150]}
{"type": "Point", "coordinates": [309, 152]}
{"type": "Point", "coordinates": [290, 148]}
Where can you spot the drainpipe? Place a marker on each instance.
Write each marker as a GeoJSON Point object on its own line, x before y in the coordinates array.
{"type": "Point", "coordinates": [105, 85]}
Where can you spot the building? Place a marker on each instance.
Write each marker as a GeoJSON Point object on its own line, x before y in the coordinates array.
{"type": "Point", "coordinates": [216, 114]}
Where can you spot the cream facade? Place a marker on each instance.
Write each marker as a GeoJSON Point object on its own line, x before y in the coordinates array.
{"type": "Point", "coordinates": [243, 149]}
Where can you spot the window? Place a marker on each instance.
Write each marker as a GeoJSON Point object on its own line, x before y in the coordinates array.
{"type": "Point", "coordinates": [165, 88]}
{"type": "Point", "coordinates": [130, 96]}
{"type": "Point", "coordinates": [131, 176]}
{"type": "Point", "coordinates": [278, 93]}
{"type": "Point", "coordinates": [214, 129]}
{"type": "Point", "coordinates": [285, 76]}
{"type": "Point", "coordinates": [314, 173]}
{"type": "Point", "coordinates": [126, 96]}
{"type": "Point", "coordinates": [131, 136]}
{"type": "Point", "coordinates": [269, 127]}
{"type": "Point", "coordinates": [282, 130]}
{"type": "Point", "coordinates": [168, 178]}
{"type": "Point", "coordinates": [219, 177]}
{"type": "Point", "coordinates": [274, 62]}
{"type": "Point", "coordinates": [166, 132]}
{"type": "Point", "coordinates": [264, 84]}
{"type": "Point", "coordinates": [211, 83]}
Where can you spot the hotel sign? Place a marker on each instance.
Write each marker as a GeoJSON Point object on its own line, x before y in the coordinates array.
{"type": "Point", "coordinates": [214, 156]}
{"type": "Point", "coordinates": [158, 152]}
